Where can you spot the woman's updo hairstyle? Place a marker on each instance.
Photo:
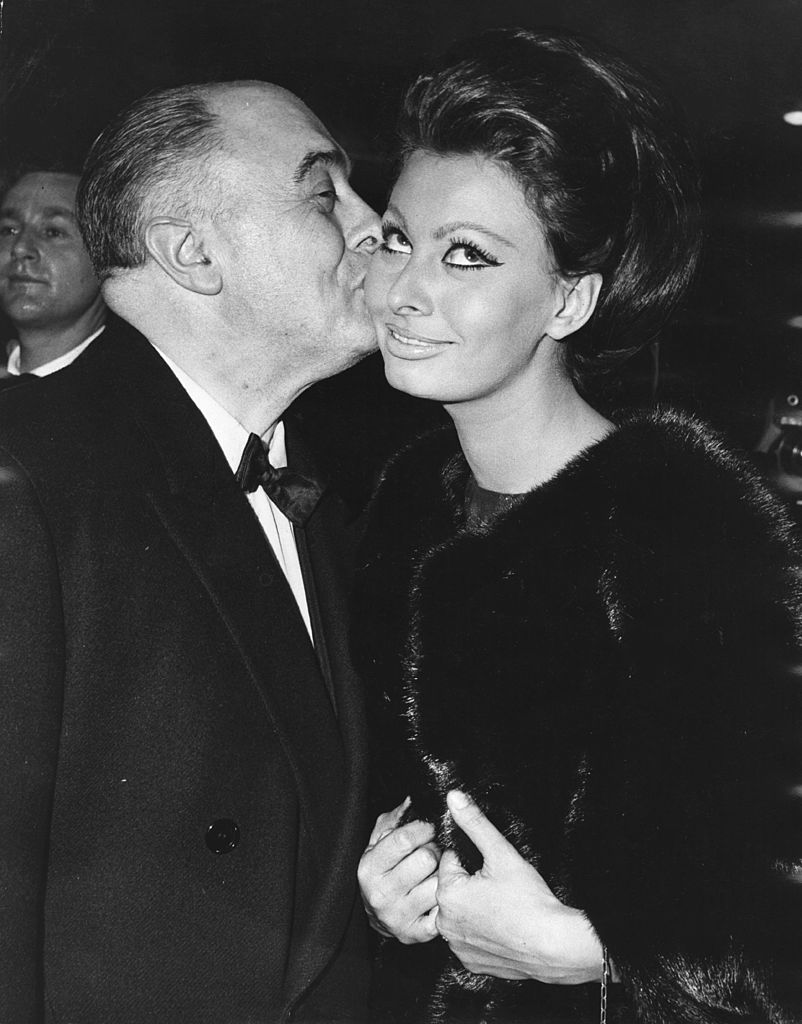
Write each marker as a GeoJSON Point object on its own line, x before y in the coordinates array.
{"type": "Point", "coordinates": [602, 159]}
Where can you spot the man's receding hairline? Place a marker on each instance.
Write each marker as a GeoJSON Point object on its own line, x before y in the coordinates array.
{"type": "Point", "coordinates": [182, 132]}
{"type": "Point", "coordinates": [214, 94]}
{"type": "Point", "coordinates": [232, 117]}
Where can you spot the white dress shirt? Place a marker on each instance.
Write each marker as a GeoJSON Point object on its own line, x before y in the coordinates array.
{"type": "Point", "coordinates": [13, 367]}
{"type": "Point", "coordinates": [232, 437]}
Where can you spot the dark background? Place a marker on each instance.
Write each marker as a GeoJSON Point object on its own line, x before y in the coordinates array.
{"type": "Point", "coordinates": [734, 65]}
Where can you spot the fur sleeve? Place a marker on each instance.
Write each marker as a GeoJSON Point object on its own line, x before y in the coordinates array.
{"type": "Point", "coordinates": [688, 825]}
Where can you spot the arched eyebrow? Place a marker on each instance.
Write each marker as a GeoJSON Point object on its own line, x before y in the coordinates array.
{"type": "Point", "coordinates": [469, 225]}
{"type": "Point", "coordinates": [449, 229]}
{"type": "Point", "coordinates": [327, 157]}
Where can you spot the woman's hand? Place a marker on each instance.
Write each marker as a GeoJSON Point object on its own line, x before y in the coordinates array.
{"type": "Point", "coordinates": [504, 920]}
{"type": "Point", "coordinates": [398, 878]}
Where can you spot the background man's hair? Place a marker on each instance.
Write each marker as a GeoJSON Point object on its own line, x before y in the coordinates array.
{"type": "Point", "coordinates": [152, 159]}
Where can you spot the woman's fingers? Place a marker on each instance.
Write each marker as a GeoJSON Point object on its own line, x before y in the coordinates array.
{"type": "Point", "coordinates": [387, 822]}
{"type": "Point", "coordinates": [395, 845]}
{"type": "Point", "coordinates": [398, 878]}
{"type": "Point", "coordinates": [401, 902]}
{"type": "Point", "coordinates": [480, 830]}
{"type": "Point", "coordinates": [450, 868]}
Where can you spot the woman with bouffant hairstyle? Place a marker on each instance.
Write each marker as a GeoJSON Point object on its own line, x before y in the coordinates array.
{"type": "Point", "coordinates": [576, 628]}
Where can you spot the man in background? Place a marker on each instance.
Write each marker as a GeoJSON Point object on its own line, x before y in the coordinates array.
{"type": "Point", "coordinates": [181, 734]}
{"type": "Point", "coordinates": [48, 289]}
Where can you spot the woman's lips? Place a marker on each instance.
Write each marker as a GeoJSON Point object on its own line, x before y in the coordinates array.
{"type": "Point", "coordinates": [406, 345]}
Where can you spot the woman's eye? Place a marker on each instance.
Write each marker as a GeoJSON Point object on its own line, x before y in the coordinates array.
{"type": "Point", "coordinates": [396, 241]}
{"type": "Point", "coordinates": [463, 255]}
{"type": "Point", "coordinates": [54, 233]}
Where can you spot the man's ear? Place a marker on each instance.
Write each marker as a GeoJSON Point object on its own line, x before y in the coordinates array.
{"type": "Point", "coordinates": [178, 249]}
{"type": "Point", "coordinates": [579, 297]}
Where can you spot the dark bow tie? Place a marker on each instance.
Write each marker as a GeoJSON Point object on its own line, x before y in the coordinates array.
{"type": "Point", "coordinates": [293, 494]}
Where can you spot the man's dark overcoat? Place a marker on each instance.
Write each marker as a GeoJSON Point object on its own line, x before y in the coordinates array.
{"type": "Point", "coordinates": [181, 808]}
{"type": "Point", "coordinates": [610, 668]}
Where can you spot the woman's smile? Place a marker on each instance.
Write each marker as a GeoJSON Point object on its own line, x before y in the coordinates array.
{"type": "Point", "coordinates": [405, 344]}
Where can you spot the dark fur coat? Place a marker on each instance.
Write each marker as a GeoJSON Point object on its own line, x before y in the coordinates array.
{"type": "Point", "coordinates": [604, 669]}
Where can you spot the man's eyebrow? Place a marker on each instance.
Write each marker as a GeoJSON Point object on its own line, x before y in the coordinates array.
{"type": "Point", "coordinates": [328, 157]}
{"type": "Point", "coordinates": [468, 225]}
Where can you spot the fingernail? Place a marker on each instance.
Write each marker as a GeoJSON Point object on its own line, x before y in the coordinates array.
{"type": "Point", "coordinates": [457, 800]}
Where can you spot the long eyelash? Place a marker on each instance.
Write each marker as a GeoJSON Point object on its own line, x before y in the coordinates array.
{"type": "Point", "coordinates": [389, 228]}
{"type": "Point", "coordinates": [473, 247]}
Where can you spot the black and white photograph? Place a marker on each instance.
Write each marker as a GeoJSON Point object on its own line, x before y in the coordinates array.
{"type": "Point", "coordinates": [400, 512]}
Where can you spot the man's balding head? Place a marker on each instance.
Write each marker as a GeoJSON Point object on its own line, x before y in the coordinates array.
{"type": "Point", "coordinates": [157, 159]}
{"type": "Point", "coordinates": [223, 222]}
{"type": "Point", "coordinates": [153, 158]}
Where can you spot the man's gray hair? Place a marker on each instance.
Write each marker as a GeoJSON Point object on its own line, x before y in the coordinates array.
{"type": "Point", "coordinates": [153, 159]}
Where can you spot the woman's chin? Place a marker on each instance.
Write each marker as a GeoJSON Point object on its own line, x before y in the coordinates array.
{"type": "Point", "coordinates": [407, 377]}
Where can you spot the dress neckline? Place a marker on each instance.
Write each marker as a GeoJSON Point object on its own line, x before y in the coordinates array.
{"type": "Point", "coordinates": [482, 506]}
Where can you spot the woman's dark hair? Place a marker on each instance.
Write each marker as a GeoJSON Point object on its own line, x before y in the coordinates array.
{"type": "Point", "coordinates": [601, 156]}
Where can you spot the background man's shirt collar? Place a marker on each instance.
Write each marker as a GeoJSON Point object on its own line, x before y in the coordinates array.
{"type": "Point", "coordinates": [13, 367]}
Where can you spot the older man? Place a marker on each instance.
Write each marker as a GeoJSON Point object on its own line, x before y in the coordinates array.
{"type": "Point", "coordinates": [48, 289]}
{"type": "Point", "coordinates": [180, 733]}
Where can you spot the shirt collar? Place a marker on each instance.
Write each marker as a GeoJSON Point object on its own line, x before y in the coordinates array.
{"type": "Point", "coordinates": [58, 363]}
{"type": "Point", "coordinates": [228, 431]}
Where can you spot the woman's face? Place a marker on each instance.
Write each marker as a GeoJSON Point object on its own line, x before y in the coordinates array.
{"type": "Point", "coordinates": [462, 291]}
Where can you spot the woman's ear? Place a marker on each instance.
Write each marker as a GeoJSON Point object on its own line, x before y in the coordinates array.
{"type": "Point", "coordinates": [179, 250]}
{"type": "Point", "coordinates": [579, 297]}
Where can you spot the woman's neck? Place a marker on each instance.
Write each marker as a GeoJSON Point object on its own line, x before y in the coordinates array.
{"type": "Point", "coordinates": [514, 443]}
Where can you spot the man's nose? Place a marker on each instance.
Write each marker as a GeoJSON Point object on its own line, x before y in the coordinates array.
{"type": "Point", "coordinates": [24, 246]}
{"type": "Point", "coordinates": [364, 233]}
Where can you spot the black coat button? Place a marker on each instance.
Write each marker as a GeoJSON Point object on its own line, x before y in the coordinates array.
{"type": "Point", "coordinates": [222, 835]}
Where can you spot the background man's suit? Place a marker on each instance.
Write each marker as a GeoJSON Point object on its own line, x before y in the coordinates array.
{"type": "Point", "coordinates": [181, 808]}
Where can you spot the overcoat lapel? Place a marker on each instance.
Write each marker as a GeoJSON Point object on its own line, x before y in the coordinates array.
{"type": "Point", "coordinates": [330, 539]}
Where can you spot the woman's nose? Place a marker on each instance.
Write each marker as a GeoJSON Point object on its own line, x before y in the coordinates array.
{"type": "Point", "coordinates": [409, 292]}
